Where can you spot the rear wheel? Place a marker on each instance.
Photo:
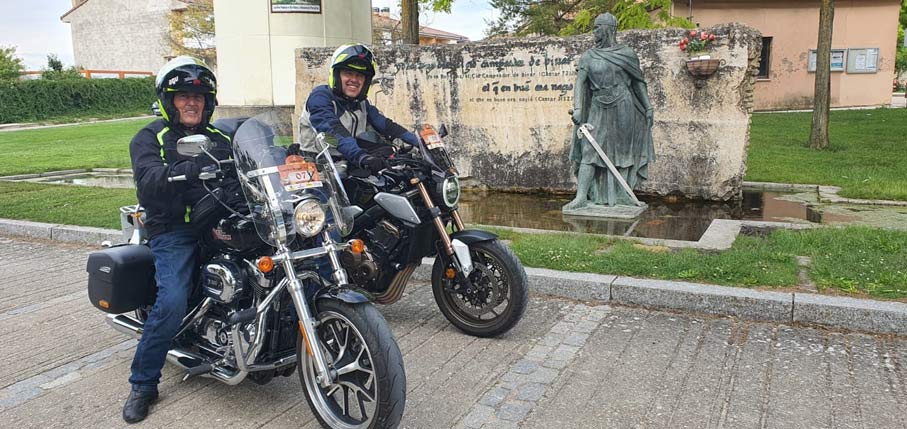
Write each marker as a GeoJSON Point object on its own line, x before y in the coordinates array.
{"type": "Point", "coordinates": [369, 389]}
{"type": "Point", "coordinates": [498, 296]}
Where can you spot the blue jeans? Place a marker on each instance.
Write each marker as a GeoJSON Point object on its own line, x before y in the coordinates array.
{"type": "Point", "coordinates": [174, 260]}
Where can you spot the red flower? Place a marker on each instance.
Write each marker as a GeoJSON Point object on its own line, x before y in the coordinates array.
{"type": "Point", "coordinates": [711, 37]}
{"type": "Point", "coordinates": [693, 33]}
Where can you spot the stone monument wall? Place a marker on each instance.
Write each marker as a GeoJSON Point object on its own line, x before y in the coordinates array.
{"type": "Point", "coordinates": [505, 103]}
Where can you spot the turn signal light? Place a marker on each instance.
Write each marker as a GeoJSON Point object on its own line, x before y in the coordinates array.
{"type": "Point", "coordinates": [294, 159]}
{"type": "Point", "coordinates": [104, 304]}
{"type": "Point", "coordinates": [265, 264]}
{"type": "Point", "coordinates": [450, 273]}
{"type": "Point", "coordinates": [357, 246]}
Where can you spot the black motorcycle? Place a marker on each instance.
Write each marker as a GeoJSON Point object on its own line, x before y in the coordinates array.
{"type": "Point", "coordinates": [260, 307]}
{"type": "Point", "coordinates": [478, 283]}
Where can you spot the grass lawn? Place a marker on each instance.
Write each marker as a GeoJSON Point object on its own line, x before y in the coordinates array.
{"type": "Point", "coordinates": [63, 148]}
{"type": "Point", "coordinates": [69, 205]}
{"type": "Point", "coordinates": [866, 157]}
{"type": "Point", "coordinates": [866, 160]}
{"type": "Point", "coordinates": [854, 260]}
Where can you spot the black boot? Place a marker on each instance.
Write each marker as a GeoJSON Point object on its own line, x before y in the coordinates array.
{"type": "Point", "coordinates": [137, 405]}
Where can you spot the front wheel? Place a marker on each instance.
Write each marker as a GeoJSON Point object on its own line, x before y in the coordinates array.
{"type": "Point", "coordinates": [369, 389]}
{"type": "Point", "coordinates": [498, 296]}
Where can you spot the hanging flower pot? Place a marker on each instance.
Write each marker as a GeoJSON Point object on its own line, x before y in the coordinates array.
{"type": "Point", "coordinates": [702, 67]}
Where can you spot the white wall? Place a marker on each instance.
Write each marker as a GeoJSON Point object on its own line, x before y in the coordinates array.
{"type": "Point", "coordinates": [256, 48]}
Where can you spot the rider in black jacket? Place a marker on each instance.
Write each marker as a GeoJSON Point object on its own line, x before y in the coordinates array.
{"type": "Point", "coordinates": [186, 94]}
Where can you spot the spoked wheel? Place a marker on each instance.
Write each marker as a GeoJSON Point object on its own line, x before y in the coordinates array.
{"type": "Point", "coordinates": [498, 296]}
{"type": "Point", "coordinates": [369, 389]}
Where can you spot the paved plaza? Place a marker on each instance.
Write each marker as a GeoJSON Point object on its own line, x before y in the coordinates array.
{"type": "Point", "coordinates": [568, 364]}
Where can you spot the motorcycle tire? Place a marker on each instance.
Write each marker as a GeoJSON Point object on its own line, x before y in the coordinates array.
{"type": "Point", "coordinates": [498, 275]}
{"type": "Point", "coordinates": [370, 388]}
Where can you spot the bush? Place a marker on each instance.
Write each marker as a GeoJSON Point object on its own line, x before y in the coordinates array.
{"type": "Point", "coordinates": [41, 99]}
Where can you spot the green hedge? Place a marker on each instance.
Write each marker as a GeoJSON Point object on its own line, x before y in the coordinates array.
{"type": "Point", "coordinates": [40, 99]}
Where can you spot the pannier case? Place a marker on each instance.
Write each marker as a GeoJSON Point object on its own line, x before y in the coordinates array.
{"type": "Point", "coordinates": [121, 278]}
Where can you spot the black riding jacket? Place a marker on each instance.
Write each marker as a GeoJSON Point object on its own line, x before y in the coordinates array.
{"type": "Point", "coordinates": [153, 150]}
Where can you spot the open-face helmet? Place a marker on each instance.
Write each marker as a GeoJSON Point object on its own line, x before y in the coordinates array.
{"type": "Point", "coordinates": [357, 58]}
{"type": "Point", "coordinates": [185, 74]}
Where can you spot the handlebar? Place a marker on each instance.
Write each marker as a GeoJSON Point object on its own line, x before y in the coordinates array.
{"type": "Point", "coordinates": [205, 175]}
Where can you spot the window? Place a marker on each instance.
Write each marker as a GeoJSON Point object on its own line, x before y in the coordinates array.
{"type": "Point", "coordinates": [764, 60]}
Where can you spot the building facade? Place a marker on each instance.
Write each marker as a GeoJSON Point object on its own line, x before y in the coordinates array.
{"type": "Point", "coordinates": [863, 47]}
{"type": "Point", "coordinates": [131, 35]}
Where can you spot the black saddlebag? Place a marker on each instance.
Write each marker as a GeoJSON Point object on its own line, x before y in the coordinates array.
{"type": "Point", "coordinates": [121, 278]}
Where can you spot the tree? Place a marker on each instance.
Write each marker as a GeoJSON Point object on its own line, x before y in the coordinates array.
{"type": "Point", "coordinates": [54, 63]}
{"type": "Point", "coordinates": [55, 71]}
{"type": "Point", "coordinates": [10, 64]}
{"type": "Point", "coordinates": [192, 31]}
{"type": "Point", "coordinates": [818, 137]}
{"type": "Point", "coordinates": [409, 16]}
{"type": "Point", "coordinates": [569, 17]}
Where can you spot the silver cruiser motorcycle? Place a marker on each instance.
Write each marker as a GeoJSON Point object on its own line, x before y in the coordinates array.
{"type": "Point", "coordinates": [260, 307]}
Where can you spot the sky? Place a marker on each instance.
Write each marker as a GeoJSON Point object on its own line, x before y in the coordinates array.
{"type": "Point", "coordinates": [467, 17]}
{"type": "Point", "coordinates": [35, 29]}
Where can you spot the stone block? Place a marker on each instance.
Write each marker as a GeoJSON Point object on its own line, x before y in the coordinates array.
{"type": "Point", "coordinates": [26, 228]}
{"type": "Point", "coordinates": [851, 313]}
{"type": "Point", "coordinates": [700, 298]}
{"type": "Point", "coordinates": [85, 234]}
{"type": "Point", "coordinates": [475, 87]}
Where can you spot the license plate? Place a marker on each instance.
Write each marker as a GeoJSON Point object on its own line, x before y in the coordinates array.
{"type": "Point", "coordinates": [433, 141]}
{"type": "Point", "coordinates": [299, 175]}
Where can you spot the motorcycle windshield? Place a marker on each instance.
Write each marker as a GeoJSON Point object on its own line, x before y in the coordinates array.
{"type": "Point", "coordinates": [274, 182]}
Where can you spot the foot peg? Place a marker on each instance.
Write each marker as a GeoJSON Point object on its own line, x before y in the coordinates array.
{"type": "Point", "coordinates": [243, 316]}
{"type": "Point", "coordinates": [198, 370]}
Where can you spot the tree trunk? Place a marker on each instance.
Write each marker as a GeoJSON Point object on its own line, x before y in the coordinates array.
{"type": "Point", "coordinates": [410, 19]}
{"type": "Point", "coordinates": [818, 137]}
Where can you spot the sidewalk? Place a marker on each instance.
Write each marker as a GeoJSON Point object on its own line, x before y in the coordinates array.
{"type": "Point", "coordinates": [783, 307]}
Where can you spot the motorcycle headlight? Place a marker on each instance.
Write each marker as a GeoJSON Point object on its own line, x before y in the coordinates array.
{"type": "Point", "coordinates": [309, 217]}
{"type": "Point", "coordinates": [450, 191]}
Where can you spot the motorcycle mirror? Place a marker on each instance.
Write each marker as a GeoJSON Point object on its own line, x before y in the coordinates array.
{"type": "Point", "coordinates": [193, 145]}
{"type": "Point", "coordinates": [443, 131]}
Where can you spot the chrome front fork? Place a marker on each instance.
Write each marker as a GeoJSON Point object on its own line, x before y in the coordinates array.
{"type": "Point", "coordinates": [307, 321]}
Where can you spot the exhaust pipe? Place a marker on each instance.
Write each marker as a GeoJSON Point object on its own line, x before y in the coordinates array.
{"type": "Point", "coordinates": [181, 358]}
{"type": "Point", "coordinates": [126, 325]}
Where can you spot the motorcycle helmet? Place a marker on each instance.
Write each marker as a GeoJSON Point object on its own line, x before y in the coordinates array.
{"type": "Point", "coordinates": [357, 58]}
{"type": "Point", "coordinates": [185, 74]}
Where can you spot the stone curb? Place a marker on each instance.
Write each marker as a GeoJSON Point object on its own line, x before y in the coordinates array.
{"type": "Point", "coordinates": [785, 307]}
{"type": "Point", "coordinates": [65, 233]}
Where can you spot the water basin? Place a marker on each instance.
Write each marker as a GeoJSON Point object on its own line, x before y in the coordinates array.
{"type": "Point", "coordinates": [684, 220]}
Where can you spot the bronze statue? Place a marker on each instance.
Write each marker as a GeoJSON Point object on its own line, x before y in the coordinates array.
{"type": "Point", "coordinates": [610, 93]}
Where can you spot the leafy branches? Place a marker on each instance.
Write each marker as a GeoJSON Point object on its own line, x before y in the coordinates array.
{"type": "Point", "coordinates": [192, 31]}
{"type": "Point", "coordinates": [10, 64]}
{"type": "Point", "coordinates": [569, 17]}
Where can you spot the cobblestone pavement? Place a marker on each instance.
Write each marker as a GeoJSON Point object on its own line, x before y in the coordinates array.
{"type": "Point", "coordinates": [566, 365]}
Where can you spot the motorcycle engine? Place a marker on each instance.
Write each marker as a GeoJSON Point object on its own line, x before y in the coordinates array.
{"type": "Point", "coordinates": [223, 279]}
{"type": "Point", "coordinates": [382, 241]}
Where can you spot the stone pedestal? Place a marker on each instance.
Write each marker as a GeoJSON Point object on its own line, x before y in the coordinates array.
{"type": "Point", "coordinates": [613, 212]}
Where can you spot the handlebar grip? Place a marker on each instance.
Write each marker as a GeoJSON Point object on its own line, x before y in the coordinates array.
{"type": "Point", "coordinates": [180, 178]}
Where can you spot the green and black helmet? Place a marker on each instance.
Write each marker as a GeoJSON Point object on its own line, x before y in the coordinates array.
{"type": "Point", "coordinates": [357, 58]}
{"type": "Point", "coordinates": [185, 74]}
